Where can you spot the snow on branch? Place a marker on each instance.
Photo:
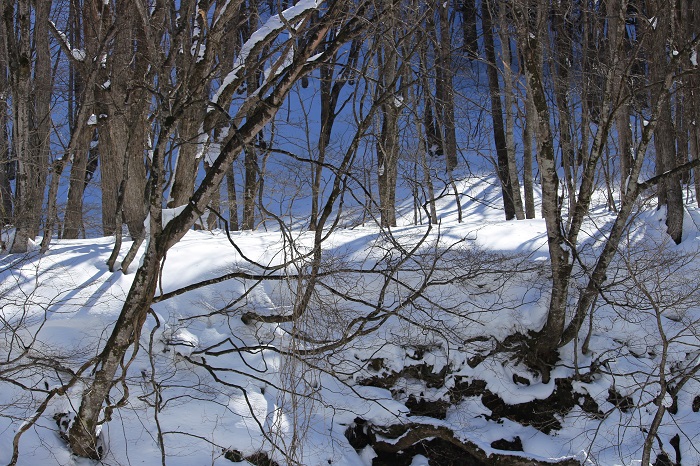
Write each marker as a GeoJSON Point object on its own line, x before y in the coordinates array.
{"type": "Point", "coordinates": [76, 54]}
{"type": "Point", "coordinates": [271, 28]}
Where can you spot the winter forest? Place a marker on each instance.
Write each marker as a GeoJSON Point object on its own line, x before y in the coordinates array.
{"type": "Point", "coordinates": [349, 232]}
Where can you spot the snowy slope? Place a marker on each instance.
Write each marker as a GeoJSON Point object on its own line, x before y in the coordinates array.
{"type": "Point", "coordinates": [212, 386]}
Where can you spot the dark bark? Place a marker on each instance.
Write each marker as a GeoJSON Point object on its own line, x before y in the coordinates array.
{"type": "Point", "coordinates": [43, 125]}
{"type": "Point", "coordinates": [444, 85]}
{"type": "Point", "coordinates": [499, 135]}
{"type": "Point", "coordinates": [19, 59]}
{"type": "Point", "coordinates": [5, 164]}
{"type": "Point", "coordinates": [622, 117]}
{"type": "Point", "coordinates": [127, 331]}
{"type": "Point", "coordinates": [250, 186]}
{"type": "Point", "coordinates": [471, 39]}
{"type": "Point", "coordinates": [251, 181]}
{"type": "Point", "coordinates": [509, 101]}
{"type": "Point", "coordinates": [232, 199]}
{"type": "Point", "coordinates": [546, 342]}
{"type": "Point", "coordinates": [563, 241]}
{"type": "Point", "coordinates": [563, 49]}
{"type": "Point", "coordinates": [694, 130]}
{"type": "Point", "coordinates": [528, 181]}
{"type": "Point", "coordinates": [73, 217]}
{"type": "Point", "coordinates": [190, 68]}
{"type": "Point", "coordinates": [692, 14]}
{"type": "Point", "coordinates": [670, 192]}
{"type": "Point", "coordinates": [425, 129]}
{"type": "Point", "coordinates": [390, 68]}
{"type": "Point", "coordinates": [330, 93]}
{"type": "Point", "coordinates": [598, 274]}
{"type": "Point", "coordinates": [98, 28]}
{"type": "Point", "coordinates": [123, 132]}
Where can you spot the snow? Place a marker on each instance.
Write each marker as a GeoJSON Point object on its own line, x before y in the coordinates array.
{"type": "Point", "coordinates": [222, 12]}
{"type": "Point", "coordinates": [77, 54]}
{"type": "Point", "coordinates": [272, 26]}
{"type": "Point", "coordinates": [279, 66]}
{"type": "Point", "coordinates": [265, 396]}
{"type": "Point", "coordinates": [169, 214]}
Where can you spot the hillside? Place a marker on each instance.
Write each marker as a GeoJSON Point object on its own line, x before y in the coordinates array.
{"type": "Point", "coordinates": [406, 352]}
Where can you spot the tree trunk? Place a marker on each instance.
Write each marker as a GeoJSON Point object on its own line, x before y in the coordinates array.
{"type": "Point", "coordinates": [425, 170]}
{"type": "Point", "coordinates": [187, 161]}
{"type": "Point", "coordinates": [691, 12]}
{"type": "Point", "coordinates": [619, 40]}
{"type": "Point", "coordinates": [509, 100]}
{"type": "Point", "coordinates": [624, 144]}
{"type": "Point", "coordinates": [191, 69]}
{"type": "Point", "coordinates": [42, 114]}
{"type": "Point", "coordinates": [548, 338]}
{"type": "Point", "coordinates": [388, 141]}
{"type": "Point", "coordinates": [445, 88]}
{"type": "Point", "coordinates": [330, 93]}
{"type": "Point", "coordinates": [564, 57]}
{"type": "Point", "coordinates": [471, 38]}
{"type": "Point", "coordinates": [73, 218]}
{"type": "Point", "coordinates": [5, 163]}
{"type": "Point", "coordinates": [328, 101]}
{"type": "Point", "coordinates": [499, 134]}
{"type": "Point", "coordinates": [387, 159]}
{"type": "Point", "coordinates": [20, 60]}
{"type": "Point", "coordinates": [694, 109]}
{"type": "Point", "coordinates": [232, 200]}
{"type": "Point", "coordinates": [528, 181]}
{"type": "Point", "coordinates": [126, 334]}
{"type": "Point", "coordinates": [670, 191]}
{"type": "Point", "coordinates": [250, 187]}
{"type": "Point", "coordinates": [96, 19]}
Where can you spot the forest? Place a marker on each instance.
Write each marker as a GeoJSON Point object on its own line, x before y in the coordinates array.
{"type": "Point", "coordinates": [349, 232]}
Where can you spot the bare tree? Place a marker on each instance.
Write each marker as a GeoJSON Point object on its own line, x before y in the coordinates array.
{"type": "Point", "coordinates": [670, 192]}
{"type": "Point", "coordinates": [97, 28]}
{"type": "Point", "coordinates": [563, 236]}
{"type": "Point", "coordinates": [6, 164]}
{"type": "Point", "coordinates": [259, 109]}
{"type": "Point", "coordinates": [509, 103]}
{"type": "Point", "coordinates": [389, 66]}
{"type": "Point", "coordinates": [26, 48]}
{"type": "Point", "coordinates": [331, 85]}
{"type": "Point", "coordinates": [499, 133]}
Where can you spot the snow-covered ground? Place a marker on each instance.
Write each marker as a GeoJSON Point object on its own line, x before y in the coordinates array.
{"type": "Point", "coordinates": [434, 301]}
